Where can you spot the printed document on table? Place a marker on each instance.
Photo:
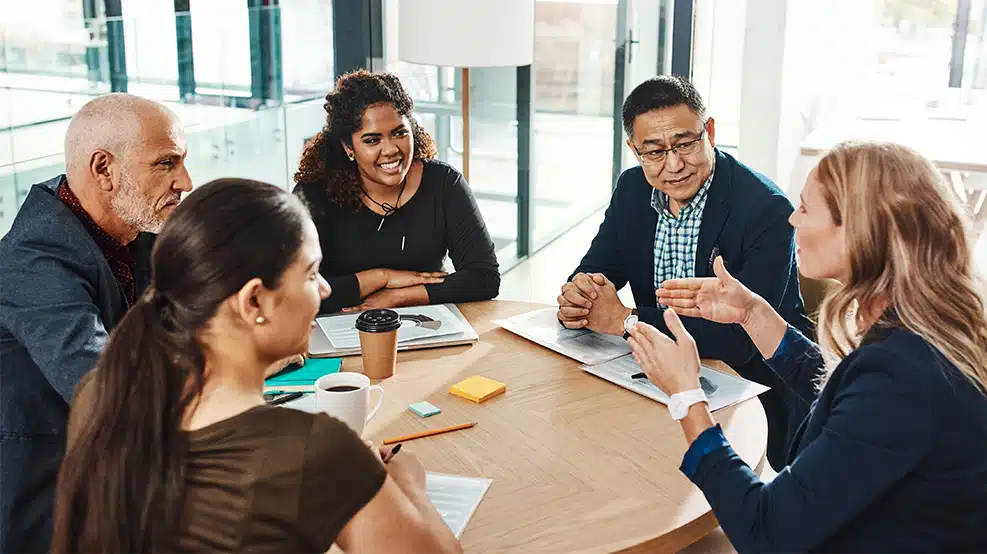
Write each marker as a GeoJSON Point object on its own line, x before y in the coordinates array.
{"type": "Point", "coordinates": [455, 498]}
{"type": "Point", "coordinates": [721, 389]}
{"type": "Point", "coordinates": [420, 322]}
{"type": "Point", "coordinates": [582, 345]}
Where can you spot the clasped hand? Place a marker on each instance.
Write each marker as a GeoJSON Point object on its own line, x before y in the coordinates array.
{"type": "Point", "coordinates": [590, 301]}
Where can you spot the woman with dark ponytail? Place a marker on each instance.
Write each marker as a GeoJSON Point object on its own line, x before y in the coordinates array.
{"type": "Point", "coordinates": [171, 447]}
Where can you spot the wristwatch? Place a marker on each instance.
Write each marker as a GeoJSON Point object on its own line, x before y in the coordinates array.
{"type": "Point", "coordinates": [679, 403]}
{"type": "Point", "coordinates": [629, 322]}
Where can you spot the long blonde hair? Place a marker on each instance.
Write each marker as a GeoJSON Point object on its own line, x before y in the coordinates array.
{"type": "Point", "coordinates": [908, 244]}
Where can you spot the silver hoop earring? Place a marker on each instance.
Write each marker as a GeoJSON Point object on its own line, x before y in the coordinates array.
{"type": "Point", "coordinates": [260, 320]}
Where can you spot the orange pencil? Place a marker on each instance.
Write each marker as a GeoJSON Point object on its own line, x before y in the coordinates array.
{"type": "Point", "coordinates": [429, 433]}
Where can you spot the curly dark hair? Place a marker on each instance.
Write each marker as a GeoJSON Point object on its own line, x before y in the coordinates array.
{"type": "Point", "coordinates": [324, 161]}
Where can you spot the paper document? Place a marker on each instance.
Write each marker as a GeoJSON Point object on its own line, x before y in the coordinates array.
{"type": "Point", "coordinates": [455, 498]}
{"type": "Point", "coordinates": [421, 322]}
{"type": "Point", "coordinates": [582, 345]}
{"type": "Point", "coordinates": [721, 389]}
{"type": "Point", "coordinates": [306, 404]}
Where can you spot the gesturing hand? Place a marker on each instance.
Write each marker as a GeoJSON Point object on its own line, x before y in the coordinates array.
{"type": "Point", "coordinates": [673, 366]}
{"type": "Point", "coordinates": [722, 299]}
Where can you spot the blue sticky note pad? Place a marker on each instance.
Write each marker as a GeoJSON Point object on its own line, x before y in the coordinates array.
{"type": "Point", "coordinates": [305, 375]}
{"type": "Point", "coordinates": [424, 409]}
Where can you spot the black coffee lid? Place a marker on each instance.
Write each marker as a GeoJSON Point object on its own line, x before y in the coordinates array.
{"type": "Point", "coordinates": [378, 321]}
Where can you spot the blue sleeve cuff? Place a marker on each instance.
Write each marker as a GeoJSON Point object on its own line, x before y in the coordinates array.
{"type": "Point", "coordinates": [793, 343]}
{"type": "Point", "coordinates": [710, 440]}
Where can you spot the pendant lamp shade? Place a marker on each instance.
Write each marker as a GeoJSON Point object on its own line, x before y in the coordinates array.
{"type": "Point", "coordinates": [467, 33]}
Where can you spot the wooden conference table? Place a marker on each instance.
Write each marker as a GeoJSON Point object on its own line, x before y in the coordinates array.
{"type": "Point", "coordinates": [578, 464]}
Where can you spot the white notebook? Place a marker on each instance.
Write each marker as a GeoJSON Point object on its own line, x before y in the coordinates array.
{"type": "Point", "coordinates": [582, 345]}
{"type": "Point", "coordinates": [609, 357]}
{"type": "Point", "coordinates": [721, 389]}
{"type": "Point", "coordinates": [424, 322]}
{"type": "Point", "coordinates": [421, 327]}
{"type": "Point", "coordinates": [455, 498]}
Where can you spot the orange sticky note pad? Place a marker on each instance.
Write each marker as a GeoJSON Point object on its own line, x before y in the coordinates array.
{"type": "Point", "coordinates": [478, 388]}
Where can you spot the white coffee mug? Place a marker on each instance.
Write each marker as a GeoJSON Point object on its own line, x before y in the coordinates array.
{"type": "Point", "coordinates": [348, 406]}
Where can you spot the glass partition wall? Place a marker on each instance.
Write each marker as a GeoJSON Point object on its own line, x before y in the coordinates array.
{"type": "Point", "coordinates": [545, 141]}
{"type": "Point", "coordinates": [248, 79]}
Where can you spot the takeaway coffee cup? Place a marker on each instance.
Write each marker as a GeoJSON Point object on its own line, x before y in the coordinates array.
{"type": "Point", "coordinates": [379, 342]}
{"type": "Point", "coordinates": [346, 397]}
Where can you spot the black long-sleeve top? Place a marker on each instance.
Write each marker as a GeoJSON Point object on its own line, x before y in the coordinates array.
{"type": "Point", "coordinates": [441, 218]}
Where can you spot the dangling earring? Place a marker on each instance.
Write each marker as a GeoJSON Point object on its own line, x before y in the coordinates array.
{"type": "Point", "coordinates": [260, 320]}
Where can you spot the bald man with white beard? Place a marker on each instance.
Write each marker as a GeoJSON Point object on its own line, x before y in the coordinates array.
{"type": "Point", "coordinates": [76, 257]}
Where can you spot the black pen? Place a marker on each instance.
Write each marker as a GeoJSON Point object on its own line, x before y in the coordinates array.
{"type": "Point", "coordinates": [285, 398]}
{"type": "Point", "coordinates": [393, 451]}
{"type": "Point", "coordinates": [639, 376]}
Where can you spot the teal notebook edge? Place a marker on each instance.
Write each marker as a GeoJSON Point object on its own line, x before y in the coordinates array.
{"type": "Point", "coordinates": [305, 375]}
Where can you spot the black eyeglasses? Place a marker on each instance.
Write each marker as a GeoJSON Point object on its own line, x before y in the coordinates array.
{"type": "Point", "coordinates": [659, 155]}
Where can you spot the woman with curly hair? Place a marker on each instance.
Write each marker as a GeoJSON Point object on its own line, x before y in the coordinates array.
{"type": "Point", "coordinates": [387, 210]}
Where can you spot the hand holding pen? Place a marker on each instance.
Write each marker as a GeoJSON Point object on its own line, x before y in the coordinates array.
{"type": "Point", "coordinates": [383, 452]}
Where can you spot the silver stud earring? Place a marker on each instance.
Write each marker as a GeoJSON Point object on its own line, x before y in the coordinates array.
{"type": "Point", "coordinates": [260, 320]}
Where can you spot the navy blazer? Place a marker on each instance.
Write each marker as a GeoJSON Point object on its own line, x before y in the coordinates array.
{"type": "Point", "coordinates": [745, 221]}
{"type": "Point", "coordinates": [58, 301]}
{"type": "Point", "coordinates": [892, 458]}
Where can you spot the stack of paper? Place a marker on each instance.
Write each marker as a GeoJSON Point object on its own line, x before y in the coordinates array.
{"type": "Point", "coordinates": [478, 388]}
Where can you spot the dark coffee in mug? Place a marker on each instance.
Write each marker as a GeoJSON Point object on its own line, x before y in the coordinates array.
{"type": "Point", "coordinates": [343, 388]}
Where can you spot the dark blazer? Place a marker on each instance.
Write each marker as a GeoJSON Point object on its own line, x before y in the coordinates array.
{"type": "Point", "coordinates": [746, 222]}
{"type": "Point", "coordinates": [893, 457]}
{"type": "Point", "coordinates": [58, 301]}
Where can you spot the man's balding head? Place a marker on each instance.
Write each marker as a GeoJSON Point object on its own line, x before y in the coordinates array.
{"type": "Point", "coordinates": [113, 122]}
{"type": "Point", "coordinates": [124, 157]}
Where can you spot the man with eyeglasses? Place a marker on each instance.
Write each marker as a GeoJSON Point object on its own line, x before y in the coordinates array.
{"type": "Point", "coordinates": [670, 218]}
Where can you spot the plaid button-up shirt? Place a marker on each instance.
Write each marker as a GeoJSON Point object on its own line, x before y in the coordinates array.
{"type": "Point", "coordinates": [676, 238]}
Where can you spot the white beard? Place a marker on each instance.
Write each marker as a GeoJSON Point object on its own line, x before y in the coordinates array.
{"type": "Point", "coordinates": [134, 208]}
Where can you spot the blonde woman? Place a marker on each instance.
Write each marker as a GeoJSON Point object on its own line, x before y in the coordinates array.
{"type": "Point", "coordinates": [893, 455]}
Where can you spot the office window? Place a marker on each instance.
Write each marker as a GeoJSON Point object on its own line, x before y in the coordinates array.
{"type": "Point", "coordinates": [813, 74]}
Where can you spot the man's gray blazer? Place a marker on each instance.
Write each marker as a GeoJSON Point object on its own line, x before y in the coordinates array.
{"type": "Point", "coordinates": [58, 301]}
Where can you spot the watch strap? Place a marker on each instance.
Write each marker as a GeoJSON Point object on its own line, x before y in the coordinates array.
{"type": "Point", "coordinates": [680, 402]}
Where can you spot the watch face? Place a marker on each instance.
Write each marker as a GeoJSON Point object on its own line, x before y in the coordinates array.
{"type": "Point", "coordinates": [630, 322]}
{"type": "Point", "coordinates": [677, 410]}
